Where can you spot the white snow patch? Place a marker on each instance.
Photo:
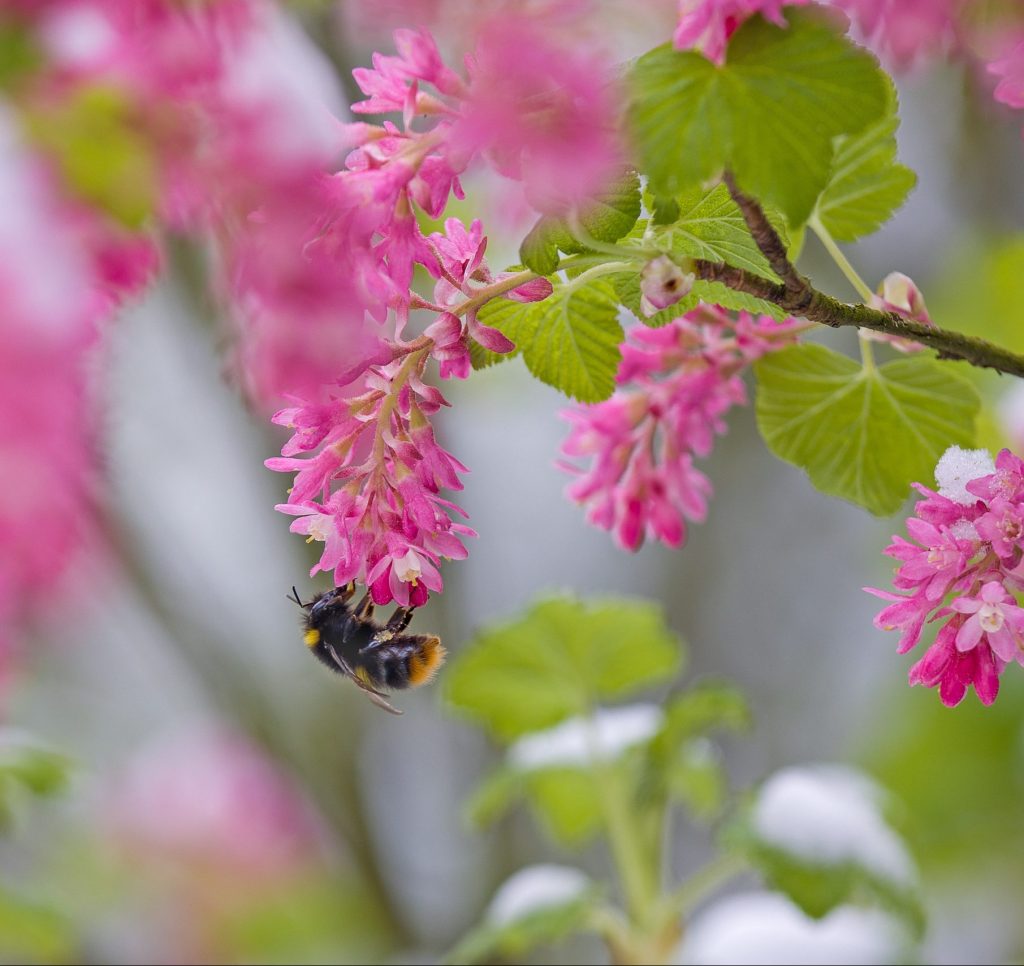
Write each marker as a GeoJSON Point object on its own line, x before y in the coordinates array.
{"type": "Point", "coordinates": [765, 928]}
{"type": "Point", "coordinates": [579, 741]}
{"type": "Point", "coordinates": [957, 467]}
{"type": "Point", "coordinates": [534, 888]}
{"type": "Point", "coordinates": [829, 815]}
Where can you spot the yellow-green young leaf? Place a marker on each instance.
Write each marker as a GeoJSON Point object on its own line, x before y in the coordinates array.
{"type": "Point", "coordinates": [559, 660]}
{"type": "Point", "coordinates": [105, 158]}
{"type": "Point", "coordinates": [711, 226]}
{"type": "Point", "coordinates": [575, 341]}
{"type": "Point", "coordinates": [567, 802]}
{"type": "Point", "coordinates": [607, 218]}
{"type": "Point", "coordinates": [769, 113]}
{"type": "Point", "coordinates": [862, 434]}
{"type": "Point", "coordinates": [32, 933]}
{"type": "Point", "coordinates": [543, 925]}
{"type": "Point", "coordinates": [867, 183]}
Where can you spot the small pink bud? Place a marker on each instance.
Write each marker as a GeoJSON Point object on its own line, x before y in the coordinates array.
{"type": "Point", "coordinates": [535, 291]}
{"type": "Point", "coordinates": [902, 294]}
{"type": "Point", "coordinates": [489, 338]}
{"type": "Point", "coordinates": [663, 283]}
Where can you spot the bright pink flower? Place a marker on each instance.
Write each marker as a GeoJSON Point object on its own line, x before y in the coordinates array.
{"type": "Point", "coordinates": [953, 671]}
{"type": "Point", "coordinates": [996, 617]}
{"type": "Point", "coordinates": [707, 25]}
{"type": "Point", "coordinates": [968, 553]}
{"type": "Point", "coordinates": [371, 491]}
{"type": "Point", "coordinates": [677, 383]}
{"type": "Point", "coordinates": [1010, 70]}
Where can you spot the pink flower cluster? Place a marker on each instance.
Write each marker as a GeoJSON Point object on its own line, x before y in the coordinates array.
{"type": "Point", "coordinates": [677, 383]}
{"type": "Point", "coordinates": [964, 568]}
{"type": "Point", "coordinates": [707, 25]}
{"type": "Point", "coordinates": [372, 491]}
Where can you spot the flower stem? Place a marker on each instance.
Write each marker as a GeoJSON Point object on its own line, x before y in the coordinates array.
{"type": "Point", "coordinates": [836, 253]}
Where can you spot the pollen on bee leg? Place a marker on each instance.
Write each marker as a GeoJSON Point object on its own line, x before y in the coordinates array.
{"type": "Point", "coordinates": [312, 637]}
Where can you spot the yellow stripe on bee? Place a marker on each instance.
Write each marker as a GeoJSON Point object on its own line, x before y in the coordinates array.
{"type": "Point", "coordinates": [312, 637]}
{"type": "Point", "coordinates": [363, 675]}
{"type": "Point", "coordinates": [424, 663]}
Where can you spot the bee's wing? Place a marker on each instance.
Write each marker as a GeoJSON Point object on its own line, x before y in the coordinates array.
{"type": "Point", "coordinates": [372, 693]}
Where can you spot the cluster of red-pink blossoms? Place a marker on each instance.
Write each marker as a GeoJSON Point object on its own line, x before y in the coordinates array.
{"type": "Point", "coordinates": [677, 383]}
{"type": "Point", "coordinates": [965, 569]}
{"type": "Point", "coordinates": [372, 492]}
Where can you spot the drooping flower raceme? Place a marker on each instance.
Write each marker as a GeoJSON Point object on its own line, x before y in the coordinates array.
{"type": "Point", "coordinates": [964, 566]}
{"type": "Point", "coordinates": [676, 384]}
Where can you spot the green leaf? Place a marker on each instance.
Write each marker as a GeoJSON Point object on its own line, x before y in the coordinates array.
{"type": "Point", "coordinates": [570, 340]}
{"type": "Point", "coordinates": [769, 114]}
{"type": "Point", "coordinates": [34, 933]}
{"type": "Point", "coordinates": [710, 706]}
{"type": "Point", "coordinates": [696, 779]}
{"type": "Point", "coordinates": [608, 218]}
{"type": "Point", "coordinates": [575, 343]}
{"type": "Point", "coordinates": [711, 226]}
{"type": "Point", "coordinates": [539, 249]}
{"type": "Point", "coordinates": [568, 803]}
{"type": "Point", "coordinates": [27, 768]}
{"type": "Point", "coordinates": [544, 925]}
{"type": "Point", "coordinates": [867, 183]}
{"type": "Point", "coordinates": [559, 660]}
{"type": "Point", "coordinates": [102, 153]}
{"type": "Point", "coordinates": [862, 434]}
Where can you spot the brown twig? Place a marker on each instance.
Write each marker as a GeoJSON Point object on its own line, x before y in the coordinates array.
{"type": "Point", "coordinates": [795, 295]}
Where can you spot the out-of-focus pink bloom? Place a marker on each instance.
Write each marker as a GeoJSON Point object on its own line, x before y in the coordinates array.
{"type": "Point", "coordinates": [543, 111]}
{"type": "Point", "coordinates": [209, 803]}
{"type": "Point", "coordinates": [677, 384]}
{"type": "Point", "coordinates": [1010, 70]}
{"type": "Point", "coordinates": [966, 561]}
{"type": "Point", "coordinates": [906, 31]}
{"type": "Point", "coordinates": [900, 295]}
{"type": "Point", "coordinates": [707, 25]}
{"type": "Point", "coordinates": [54, 290]}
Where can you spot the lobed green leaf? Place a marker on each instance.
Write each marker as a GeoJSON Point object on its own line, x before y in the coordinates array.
{"type": "Point", "coordinates": [769, 114]}
{"type": "Point", "coordinates": [862, 434]}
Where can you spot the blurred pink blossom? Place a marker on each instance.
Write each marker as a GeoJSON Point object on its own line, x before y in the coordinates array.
{"type": "Point", "coordinates": [707, 25]}
{"type": "Point", "coordinates": [210, 800]}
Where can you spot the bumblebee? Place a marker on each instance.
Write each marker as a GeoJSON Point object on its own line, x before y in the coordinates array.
{"type": "Point", "coordinates": [378, 658]}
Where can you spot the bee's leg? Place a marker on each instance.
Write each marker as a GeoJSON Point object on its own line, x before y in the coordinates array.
{"type": "Point", "coordinates": [400, 620]}
{"type": "Point", "coordinates": [364, 609]}
{"type": "Point", "coordinates": [345, 592]}
{"type": "Point", "coordinates": [397, 623]}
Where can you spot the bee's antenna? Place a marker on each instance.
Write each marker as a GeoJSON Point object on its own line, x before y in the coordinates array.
{"type": "Point", "coordinates": [295, 596]}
